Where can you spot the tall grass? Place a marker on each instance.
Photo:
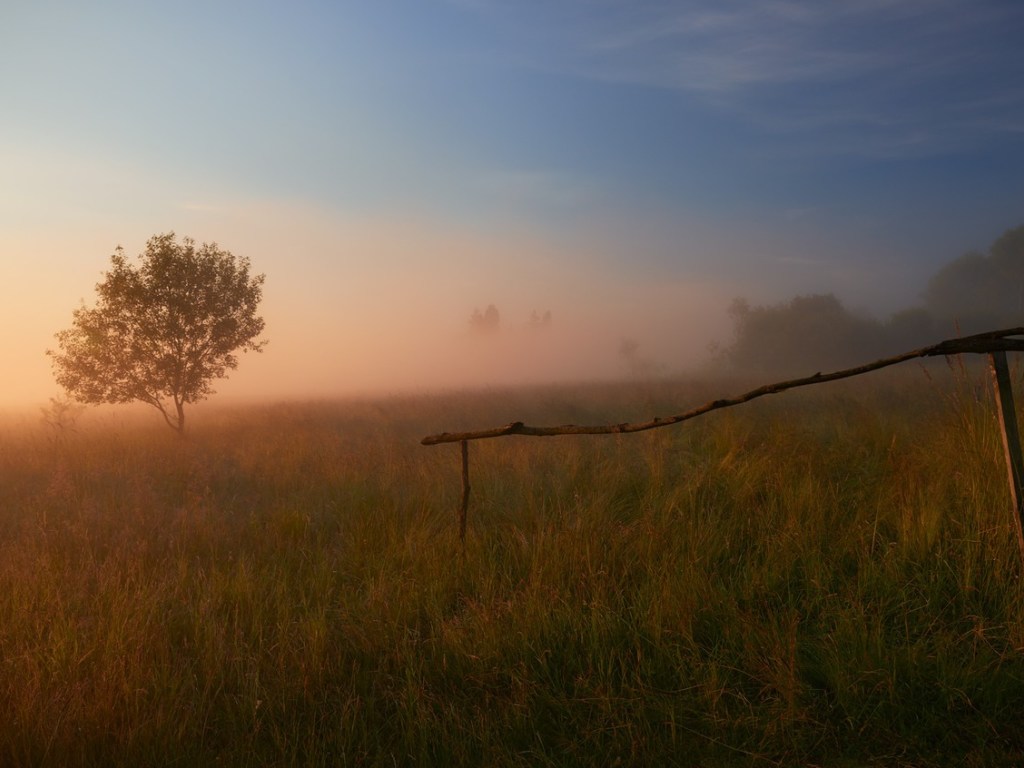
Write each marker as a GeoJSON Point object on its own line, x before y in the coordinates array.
{"type": "Point", "coordinates": [828, 577]}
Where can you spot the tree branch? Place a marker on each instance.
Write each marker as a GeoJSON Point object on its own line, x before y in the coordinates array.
{"type": "Point", "coordinates": [981, 343]}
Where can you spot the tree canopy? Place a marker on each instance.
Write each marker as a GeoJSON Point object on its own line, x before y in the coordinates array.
{"type": "Point", "coordinates": [973, 293]}
{"type": "Point", "coordinates": [813, 330]}
{"type": "Point", "coordinates": [978, 291]}
{"type": "Point", "coordinates": [162, 330]}
{"type": "Point", "coordinates": [486, 321]}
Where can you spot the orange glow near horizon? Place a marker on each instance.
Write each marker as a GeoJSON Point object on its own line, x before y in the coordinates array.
{"type": "Point", "coordinates": [375, 305]}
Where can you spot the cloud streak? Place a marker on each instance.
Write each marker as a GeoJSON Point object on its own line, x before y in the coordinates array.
{"type": "Point", "coordinates": [870, 67]}
{"type": "Point", "coordinates": [704, 48]}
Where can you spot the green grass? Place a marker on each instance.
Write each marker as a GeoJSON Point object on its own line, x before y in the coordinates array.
{"type": "Point", "coordinates": [825, 577]}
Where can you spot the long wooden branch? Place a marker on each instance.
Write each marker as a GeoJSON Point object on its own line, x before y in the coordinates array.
{"type": "Point", "coordinates": [981, 343]}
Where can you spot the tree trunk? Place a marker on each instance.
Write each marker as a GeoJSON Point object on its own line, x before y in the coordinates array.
{"type": "Point", "coordinates": [181, 416]}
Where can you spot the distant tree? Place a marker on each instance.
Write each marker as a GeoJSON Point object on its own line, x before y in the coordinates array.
{"type": "Point", "coordinates": [540, 321]}
{"type": "Point", "coordinates": [491, 317]}
{"type": "Point", "coordinates": [979, 291]}
{"type": "Point", "coordinates": [487, 320]}
{"type": "Point", "coordinates": [814, 331]}
{"type": "Point", "coordinates": [162, 331]}
{"type": "Point", "coordinates": [909, 329]}
{"type": "Point", "coordinates": [60, 416]}
{"type": "Point", "coordinates": [975, 292]}
{"type": "Point", "coordinates": [629, 353]}
{"type": "Point", "coordinates": [966, 291]}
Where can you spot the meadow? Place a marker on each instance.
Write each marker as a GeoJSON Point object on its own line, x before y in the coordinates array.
{"type": "Point", "coordinates": [823, 577]}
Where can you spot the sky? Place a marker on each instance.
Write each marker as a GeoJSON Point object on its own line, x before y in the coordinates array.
{"type": "Point", "coordinates": [630, 166]}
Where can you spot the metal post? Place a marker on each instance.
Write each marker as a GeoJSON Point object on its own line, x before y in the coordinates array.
{"type": "Point", "coordinates": [1011, 439]}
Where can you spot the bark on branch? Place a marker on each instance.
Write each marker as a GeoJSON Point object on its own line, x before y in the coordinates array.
{"type": "Point", "coordinates": [981, 343]}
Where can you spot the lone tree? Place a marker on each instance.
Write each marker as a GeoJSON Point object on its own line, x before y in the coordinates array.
{"type": "Point", "coordinates": [163, 330]}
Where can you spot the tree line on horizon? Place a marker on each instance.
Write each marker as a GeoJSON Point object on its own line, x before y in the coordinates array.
{"type": "Point", "coordinates": [164, 329]}
{"type": "Point", "coordinates": [975, 292]}
{"type": "Point", "coordinates": [489, 321]}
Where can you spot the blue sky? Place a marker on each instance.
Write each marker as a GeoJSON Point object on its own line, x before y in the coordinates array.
{"type": "Point", "coordinates": [418, 158]}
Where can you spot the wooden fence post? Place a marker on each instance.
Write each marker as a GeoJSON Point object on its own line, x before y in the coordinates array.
{"type": "Point", "coordinates": [465, 492]}
{"type": "Point", "coordinates": [993, 343]}
{"type": "Point", "coordinates": [1011, 439]}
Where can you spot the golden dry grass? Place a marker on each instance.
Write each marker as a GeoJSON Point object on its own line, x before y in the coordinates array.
{"type": "Point", "coordinates": [823, 578]}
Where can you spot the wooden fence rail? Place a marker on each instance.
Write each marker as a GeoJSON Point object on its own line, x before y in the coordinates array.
{"type": "Point", "coordinates": [993, 343]}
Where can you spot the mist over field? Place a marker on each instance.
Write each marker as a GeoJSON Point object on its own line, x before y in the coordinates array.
{"type": "Point", "coordinates": [632, 168]}
{"type": "Point", "coordinates": [414, 217]}
{"type": "Point", "coordinates": [347, 314]}
{"type": "Point", "coordinates": [426, 341]}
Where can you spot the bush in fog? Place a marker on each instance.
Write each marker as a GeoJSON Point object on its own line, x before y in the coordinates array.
{"type": "Point", "coordinates": [973, 293]}
{"type": "Point", "coordinates": [486, 321]}
{"type": "Point", "coordinates": [814, 331]}
{"type": "Point", "coordinates": [978, 291]}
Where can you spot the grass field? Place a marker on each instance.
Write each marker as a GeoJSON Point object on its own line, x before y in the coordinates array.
{"type": "Point", "coordinates": [826, 577]}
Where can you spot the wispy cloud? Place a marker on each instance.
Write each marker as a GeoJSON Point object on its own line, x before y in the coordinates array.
{"type": "Point", "coordinates": [721, 47]}
{"type": "Point", "coordinates": [802, 66]}
{"type": "Point", "coordinates": [720, 51]}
